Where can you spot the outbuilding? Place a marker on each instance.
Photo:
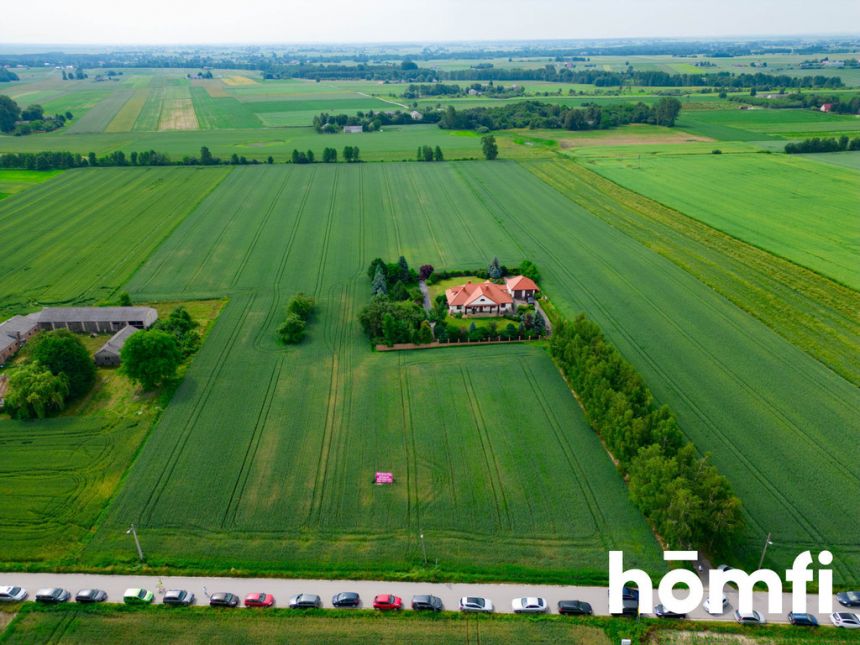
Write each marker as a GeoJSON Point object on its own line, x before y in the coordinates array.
{"type": "Point", "coordinates": [96, 320]}
{"type": "Point", "coordinates": [109, 354]}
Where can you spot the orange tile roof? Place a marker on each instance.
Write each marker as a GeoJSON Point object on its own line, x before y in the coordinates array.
{"type": "Point", "coordinates": [521, 283]}
{"type": "Point", "coordinates": [466, 294]}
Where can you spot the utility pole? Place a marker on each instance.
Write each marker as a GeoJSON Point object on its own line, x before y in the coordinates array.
{"type": "Point", "coordinates": [767, 543]}
{"type": "Point", "coordinates": [423, 548]}
{"type": "Point", "coordinates": [133, 531]}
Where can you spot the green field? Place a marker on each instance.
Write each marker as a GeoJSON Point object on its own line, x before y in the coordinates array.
{"type": "Point", "coordinates": [790, 206]}
{"type": "Point", "coordinates": [78, 237]}
{"type": "Point", "coordinates": [330, 412]}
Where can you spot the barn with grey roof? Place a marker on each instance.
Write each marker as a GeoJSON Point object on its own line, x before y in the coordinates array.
{"type": "Point", "coordinates": [96, 320]}
{"type": "Point", "coordinates": [109, 354]}
{"type": "Point", "coordinates": [14, 333]}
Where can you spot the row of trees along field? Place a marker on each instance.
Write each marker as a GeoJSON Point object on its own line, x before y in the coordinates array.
{"type": "Point", "coordinates": [453, 90]}
{"type": "Point", "coordinates": [827, 144]}
{"type": "Point", "coordinates": [370, 121]}
{"type": "Point", "coordinates": [535, 114]}
{"type": "Point", "coordinates": [689, 503]}
{"type": "Point", "coordinates": [410, 73]}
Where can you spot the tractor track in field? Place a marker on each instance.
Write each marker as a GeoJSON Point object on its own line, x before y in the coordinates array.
{"type": "Point", "coordinates": [262, 225]}
{"type": "Point", "coordinates": [413, 512]}
{"type": "Point", "coordinates": [740, 457]}
{"type": "Point", "coordinates": [388, 202]}
{"type": "Point", "coordinates": [184, 435]}
{"type": "Point", "coordinates": [493, 469]}
{"type": "Point", "coordinates": [589, 495]}
{"type": "Point", "coordinates": [281, 269]}
{"type": "Point", "coordinates": [422, 206]}
{"type": "Point", "coordinates": [253, 445]}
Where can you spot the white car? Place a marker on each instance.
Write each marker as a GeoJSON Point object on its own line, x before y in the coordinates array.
{"type": "Point", "coordinates": [846, 620]}
{"type": "Point", "coordinates": [471, 603]}
{"type": "Point", "coordinates": [529, 605]}
{"type": "Point", "coordinates": [12, 594]}
{"type": "Point", "coordinates": [707, 604]}
{"type": "Point", "coordinates": [752, 618]}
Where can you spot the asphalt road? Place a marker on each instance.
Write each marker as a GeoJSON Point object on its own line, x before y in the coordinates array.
{"type": "Point", "coordinates": [450, 593]}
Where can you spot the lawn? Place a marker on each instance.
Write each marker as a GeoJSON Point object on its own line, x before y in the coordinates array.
{"type": "Point", "coordinates": [792, 207]}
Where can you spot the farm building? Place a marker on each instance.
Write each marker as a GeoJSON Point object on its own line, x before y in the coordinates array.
{"type": "Point", "coordinates": [109, 354]}
{"type": "Point", "coordinates": [416, 115]}
{"type": "Point", "coordinates": [352, 129]}
{"type": "Point", "coordinates": [99, 320]}
{"type": "Point", "coordinates": [521, 288]}
{"type": "Point", "coordinates": [827, 107]}
{"type": "Point", "coordinates": [14, 333]}
{"type": "Point", "coordinates": [486, 298]}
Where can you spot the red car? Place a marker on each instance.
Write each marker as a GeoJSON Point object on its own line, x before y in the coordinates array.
{"type": "Point", "coordinates": [387, 602]}
{"type": "Point", "coordinates": [259, 600]}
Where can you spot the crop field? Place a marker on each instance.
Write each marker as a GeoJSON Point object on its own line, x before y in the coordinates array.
{"type": "Point", "coordinates": [792, 207]}
{"type": "Point", "coordinates": [222, 112]}
{"type": "Point", "coordinates": [78, 237]}
{"type": "Point", "coordinates": [763, 124]}
{"type": "Point", "coordinates": [330, 412]}
{"type": "Point", "coordinates": [127, 115]}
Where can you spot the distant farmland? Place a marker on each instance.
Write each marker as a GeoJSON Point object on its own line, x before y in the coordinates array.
{"type": "Point", "coordinates": [793, 207]}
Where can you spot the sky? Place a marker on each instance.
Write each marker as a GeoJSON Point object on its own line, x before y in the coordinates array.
{"type": "Point", "coordinates": [338, 21]}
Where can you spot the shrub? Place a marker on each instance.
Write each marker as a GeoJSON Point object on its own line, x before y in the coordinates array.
{"type": "Point", "coordinates": [292, 330]}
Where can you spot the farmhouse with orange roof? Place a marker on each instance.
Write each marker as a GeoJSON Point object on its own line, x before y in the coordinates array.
{"type": "Point", "coordinates": [490, 299]}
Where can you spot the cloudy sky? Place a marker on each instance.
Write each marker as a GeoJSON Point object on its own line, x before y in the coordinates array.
{"type": "Point", "coordinates": [287, 21]}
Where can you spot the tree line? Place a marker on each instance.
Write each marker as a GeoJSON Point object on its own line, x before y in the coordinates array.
{"type": "Point", "coordinates": [63, 160]}
{"type": "Point", "coordinates": [442, 89]}
{"type": "Point", "coordinates": [535, 114]}
{"type": "Point", "coordinates": [7, 75]}
{"type": "Point", "coordinates": [828, 144]}
{"type": "Point", "coordinates": [370, 121]}
{"type": "Point", "coordinates": [682, 494]}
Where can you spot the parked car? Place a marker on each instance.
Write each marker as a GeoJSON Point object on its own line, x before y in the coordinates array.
{"type": "Point", "coordinates": [12, 594]}
{"type": "Point", "coordinates": [662, 612]}
{"type": "Point", "coordinates": [346, 599]}
{"type": "Point", "coordinates": [472, 603]}
{"type": "Point", "coordinates": [426, 603]}
{"type": "Point", "coordinates": [91, 596]}
{"type": "Point", "coordinates": [52, 595]}
{"type": "Point", "coordinates": [629, 607]}
{"type": "Point", "coordinates": [137, 597]}
{"type": "Point", "coordinates": [629, 593]}
{"type": "Point", "coordinates": [223, 599]}
{"type": "Point", "coordinates": [529, 605]}
{"type": "Point", "coordinates": [305, 601]}
{"type": "Point", "coordinates": [848, 598]}
{"type": "Point", "coordinates": [574, 608]}
{"type": "Point", "coordinates": [724, 567]}
{"type": "Point", "coordinates": [178, 597]}
{"type": "Point", "coordinates": [845, 620]}
{"type": "Point", "coordinates": [804, 620]}
{"type": "Point", "coordinates": [707, 604]}
{"type": "Point", "coordinates": [259, 600]}
{"type": "Point", "coordinates": [751, 618]}
{"type": "Point", "coordinates": [387, 602]}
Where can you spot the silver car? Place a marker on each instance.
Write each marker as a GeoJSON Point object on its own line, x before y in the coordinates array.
{"type": "Point", "coordinates": [529, 605]}
{"type": "Point", "coordinates": [52, 595]}
{"type": "Point", "coordinates": [476, 604]}
{"type": "Point", "coordinates": [12, 594]}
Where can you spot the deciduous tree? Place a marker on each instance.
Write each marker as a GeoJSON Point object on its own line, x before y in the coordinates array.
{"type": "Point", "coordinates": [151, 358]}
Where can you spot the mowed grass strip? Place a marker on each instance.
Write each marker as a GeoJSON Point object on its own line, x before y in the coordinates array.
{"type": "Point", "coordinates": [79, 237]}
{"type": "Point", "coordinates": [806, 308]}
{"type": "Point", "coordinates": [70, 625]}
{"type": "Point", "coordinates": [796, 209]}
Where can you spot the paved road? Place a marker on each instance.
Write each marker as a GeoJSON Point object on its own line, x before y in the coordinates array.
{"type": "Point", "coordinates": [282, 589]}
